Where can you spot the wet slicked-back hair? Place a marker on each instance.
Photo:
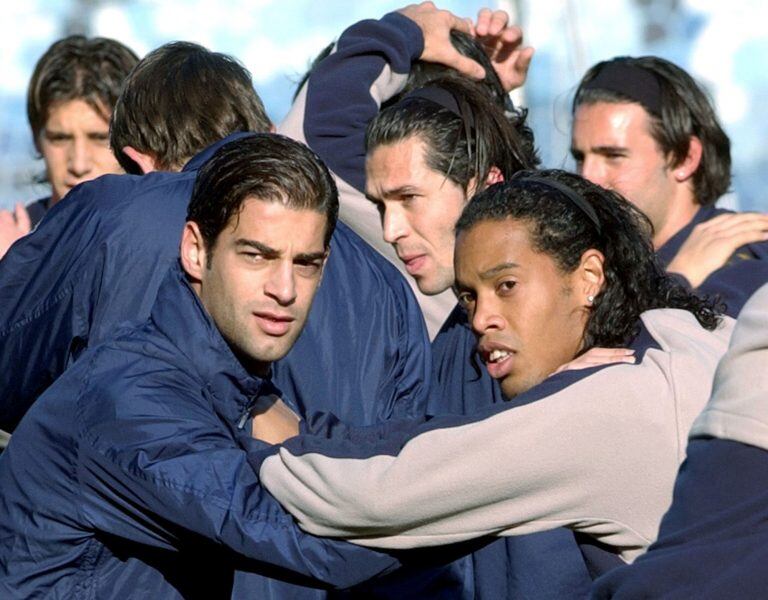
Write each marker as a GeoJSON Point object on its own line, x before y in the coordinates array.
{"type": "Point", "coordinates": [180, 99]}
{"type": "Point", "coordinates": [77, 68]}
{"type": "Point", "coordinates": [492, 141]}
{"type": "Point", "coordinates": [634, 280]}
{"type": "Point", "coordinates": [422, 73]}
{"type": "Point", "coordinates": [268, 167]}
{"type": "Point", "coordinates": [686, 111]}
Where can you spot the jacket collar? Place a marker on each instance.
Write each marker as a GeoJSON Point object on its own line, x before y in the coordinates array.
{"type": "Point", "coordinates": [202, 157]}
{"type": "Point", "coordinates": [668, 251]}
{"type": "Point", "coordinates": [179, 315]}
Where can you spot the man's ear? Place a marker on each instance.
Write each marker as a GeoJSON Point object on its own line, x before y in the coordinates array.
{"type": "Point", "coordinates": [494, 176]}
{"type": "Point", "coordinates": [591, 273]}
{"type": "Point", "coordinates": [193, 252]}
{"type": "Point", "coordinates": [690, 164]}
{"type": "Point", "coordinates": [146, 162]}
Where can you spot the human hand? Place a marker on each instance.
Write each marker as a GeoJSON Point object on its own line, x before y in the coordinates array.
{"type": "Point", "coordinates": [13, 225]}
{"type": "Point", "coordinates": [273, 421]}
{"type": "Point", "coordinates": [436, 26]}
{"type": "Point", "coordinates": [503, 43]}
{"type": "Point", "coordinates": [713, 242]}
{"type": "Point", "coordinates": [598, 356]}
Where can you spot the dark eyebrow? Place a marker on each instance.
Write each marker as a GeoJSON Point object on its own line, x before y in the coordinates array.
{"type": "Point", "coordinates": [272, 253]}
{"type": "Point", "coordinates": [264, 249]}
{"type": "Point", "coordinates": [401, 191]}
{"type": "Point", "coordinates": [498, 269]}
{"type": "Point", "coordinates": [608, 149]}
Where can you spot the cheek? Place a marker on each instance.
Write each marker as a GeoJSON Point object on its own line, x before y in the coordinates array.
{"type": "Point", "coordinates": [55, 158]}
{"type": "Point", "coordinates": [105, 160]}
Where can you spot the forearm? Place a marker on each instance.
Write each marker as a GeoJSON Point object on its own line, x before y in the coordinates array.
{"type": "Point", "coordinates": [370, 64]}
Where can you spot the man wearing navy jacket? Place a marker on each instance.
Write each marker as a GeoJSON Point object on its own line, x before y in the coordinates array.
{"type": "Point", "coordinates": [130, 475]}
{"type": "Point", "coordinates": [644, 128]}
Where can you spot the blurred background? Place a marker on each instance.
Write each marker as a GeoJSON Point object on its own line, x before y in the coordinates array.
{"type": "Point", "coordinates": [723, 44]}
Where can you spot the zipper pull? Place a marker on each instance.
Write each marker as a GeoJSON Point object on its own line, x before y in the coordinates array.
{"type": "Point", "coordinates": [246, 413]}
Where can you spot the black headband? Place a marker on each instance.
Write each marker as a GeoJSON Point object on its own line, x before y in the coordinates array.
{"type": "Point", "coordinates": [447, 100]}
{"type": "Point", "coordinates": [584, 206]}
{"type": "Point", "coordinates": [632, 81]}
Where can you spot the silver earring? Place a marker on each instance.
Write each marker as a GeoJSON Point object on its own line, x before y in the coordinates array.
{"type": "Point", "coordinates": [590, 299]}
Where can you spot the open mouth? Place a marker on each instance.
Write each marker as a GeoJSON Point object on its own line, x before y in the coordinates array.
{"type": "Point", "coordinates": [498, 362]}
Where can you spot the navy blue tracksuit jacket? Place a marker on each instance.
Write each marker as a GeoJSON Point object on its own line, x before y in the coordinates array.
{"type": "Point", "coordinates": [131, 476]}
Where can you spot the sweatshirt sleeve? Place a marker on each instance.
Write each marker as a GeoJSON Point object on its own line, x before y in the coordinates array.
{"type": "Point", "coordinates": [369, 65]}
{"type": "Point", "coordinates": [569, 458]}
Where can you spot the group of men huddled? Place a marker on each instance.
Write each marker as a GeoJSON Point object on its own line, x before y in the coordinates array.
{"type": "Point", "coordinates": [218, 383]}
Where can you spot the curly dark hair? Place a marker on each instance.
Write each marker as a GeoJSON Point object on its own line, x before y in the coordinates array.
{"type": "Point", "coordinates": [634, 279]}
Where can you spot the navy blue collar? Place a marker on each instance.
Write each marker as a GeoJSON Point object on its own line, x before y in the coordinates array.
{"type": "Point", "coordinates": [667, 252]}
{"type": "Point", "coordinates": [202, 157]}
{"type": "Point", "coordinates": [179, 315]}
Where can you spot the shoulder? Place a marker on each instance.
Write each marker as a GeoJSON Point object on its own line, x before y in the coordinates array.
{"type": "Point", "coordinates": [136, 376]}
{"type": "Point", "coordinates": [354, 260]}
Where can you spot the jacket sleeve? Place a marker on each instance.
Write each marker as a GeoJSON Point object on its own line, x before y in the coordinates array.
{"type": "Point", "coordinates": [737, 281]}
{"type": "Point", "coordinates": [501, 471]}
{"type": "Point", "coordinates": [166, 478]}
{"type": "Point", "coordinates": [40, 326]}
{"type": "Point", "coordinates": [369, 65]}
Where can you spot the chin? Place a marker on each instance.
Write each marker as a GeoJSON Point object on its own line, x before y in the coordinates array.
{"type": "Point", "coordinates": [432, 288]}
{"type": "Point", "coordinates": [512, 387]}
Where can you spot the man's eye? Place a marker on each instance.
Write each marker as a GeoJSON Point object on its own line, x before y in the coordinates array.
{"type": "Point", "coordinates": [99, 138]}
{"type": "Point", "coordinates": [253, 256]}
{"type": "Point", "coordinates": [505, 287]}
{"type": "Point", "coordinates": [308, 268]}
{"type": "Point", "coordinates": [56, 138]}
{"type": "Point", "coordinates": [465, 299]}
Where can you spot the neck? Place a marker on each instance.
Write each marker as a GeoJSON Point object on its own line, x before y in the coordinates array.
{"type": "Point", "coordinates": [681, 211]}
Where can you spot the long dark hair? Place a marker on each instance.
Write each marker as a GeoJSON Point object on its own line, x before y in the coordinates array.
{"type": "Point", "coordinates": [558, 226]}
{"type": "Point", "coordinates": [456, 148]}
{"type": "Point", "coordinates": [685, 111]}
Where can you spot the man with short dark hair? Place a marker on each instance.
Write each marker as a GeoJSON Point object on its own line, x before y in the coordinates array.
{"type": "Point", "coordinates": [644, 127]}
{"type": "Point", "coordinates": [137, 460]}
{"type": "Point", "coordinates": [211, 112]}
{"type": "Point", "coordinates": [70, 98]}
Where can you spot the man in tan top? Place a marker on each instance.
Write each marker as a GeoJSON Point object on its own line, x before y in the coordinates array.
{"type": "Point", "coordinates": [548, 266]}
